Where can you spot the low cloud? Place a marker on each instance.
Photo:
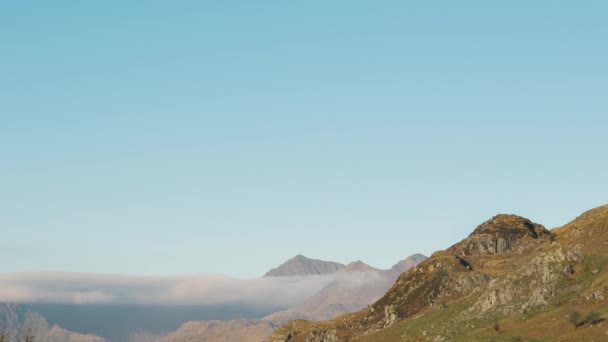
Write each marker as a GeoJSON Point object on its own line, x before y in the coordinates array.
{"type": "Point", "coordinates": [199, 289]}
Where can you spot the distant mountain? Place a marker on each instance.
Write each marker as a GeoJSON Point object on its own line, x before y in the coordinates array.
{"type": "Point", "coordinates": [358, 266]}
{"type": "Point", "coordinates": [242, 330]}
{"type": "Point", "coordinates": [301, 265]}
{"type": "Point", "coordinates": [138, 323]}
{"type": "Point", "coordinates": [408, 263]}
{"type": "Point", "coordinates": [356, 285]}
{"type": "Point", "coordinates": [313, 289]}
{"type": "Point", "coordinates": [15, 319]}
{"type": "Point", "coordinates": [353, 287]}
{"type": "Point", "coordinates": [510, 279]}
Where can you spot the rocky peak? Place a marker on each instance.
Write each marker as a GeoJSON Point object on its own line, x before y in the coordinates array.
{"type": "Point", "coordinates": [498, 235]}
{"type": "Point", "coordinates": [510, 224]}
{"type": "Point", "coordinates": [301, 265]}
{"type": "Point", "coordinates": [358, 266]}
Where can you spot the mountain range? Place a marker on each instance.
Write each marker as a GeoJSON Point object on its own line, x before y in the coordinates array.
{"type": "Point", "coordinates": [511, 279]}
{"type": "Point", "coordinates": [311, 289]}
{"type": "Point", "coordinates": [353, 287]}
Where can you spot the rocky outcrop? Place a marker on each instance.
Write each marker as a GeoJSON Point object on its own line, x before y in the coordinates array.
{"type": "Point", "coordinates": [531, 285]}
{"type": "Point", "coordinates": [328, 335]}
{"type": "Point", "coordinates": [500, 234]}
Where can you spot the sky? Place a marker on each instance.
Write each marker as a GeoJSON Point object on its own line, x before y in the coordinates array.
{"type": "Point", "coordinates": [167, 138]}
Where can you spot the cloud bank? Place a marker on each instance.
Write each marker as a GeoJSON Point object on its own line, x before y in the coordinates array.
{"type": "Point", "coordinates": [198, 289]}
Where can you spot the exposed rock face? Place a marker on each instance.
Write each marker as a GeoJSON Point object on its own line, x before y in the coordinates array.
{"type": "Point", "coordinates": [499, 235]}
{"type": "Point", "coordinates": [323, 336]}
{"type": "Point", "coordinates": [301, 265]}
{"type": "Point", "coordinates": [532, 284]}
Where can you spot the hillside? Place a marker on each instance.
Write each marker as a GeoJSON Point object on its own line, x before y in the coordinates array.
{"type": "Point", "coordinates": [509, 279]}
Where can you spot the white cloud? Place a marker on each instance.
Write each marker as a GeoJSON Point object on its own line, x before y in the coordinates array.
{"type": "Point", "coordinates": [199, 289]}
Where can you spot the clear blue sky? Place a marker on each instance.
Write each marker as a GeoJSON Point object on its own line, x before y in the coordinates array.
{"type": "Point", "coordinates": [175, 137]}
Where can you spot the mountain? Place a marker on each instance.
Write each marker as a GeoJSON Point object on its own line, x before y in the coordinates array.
{"type": "Point", "coordinates": [408, 263]}
{"type": "Point", "coordinates": [353, 287]}
{"type": "Point", "coordinates": [301, 265]}
{"type": "Point", "coordinates": [15, 319]}
{"type": "Point", "coordinates": [242, 330]}
{"type": "Point", "coordinates": [358, 266]}
{"type": "Point", "coordinates": [510, 279]}
{"type": "Point", "coordinates": [140, 323]}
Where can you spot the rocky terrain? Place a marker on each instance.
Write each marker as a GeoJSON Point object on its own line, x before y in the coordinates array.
{"type": "Point", "coordinates": [510, 279]}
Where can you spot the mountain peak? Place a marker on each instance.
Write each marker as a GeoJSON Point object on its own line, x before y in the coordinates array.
{"type": "Point", "coordinates": [301, 265]}
{"type": "Point", "coordinates": [358, 266]}
{"type": "Point", "coordinates": [509, 223]}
